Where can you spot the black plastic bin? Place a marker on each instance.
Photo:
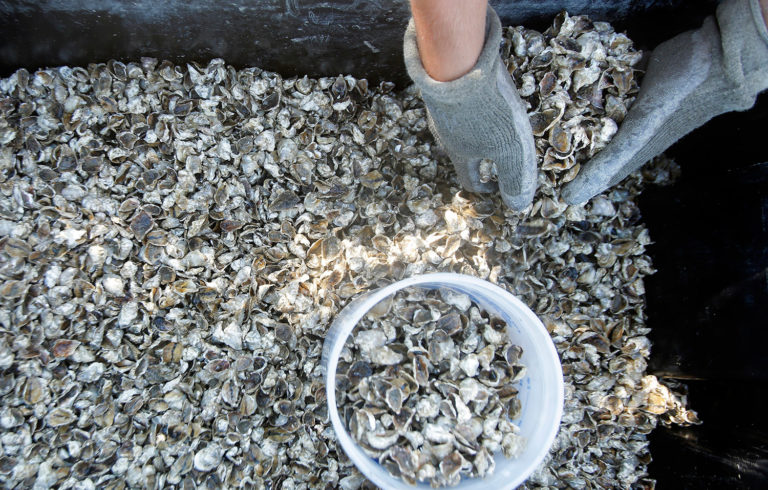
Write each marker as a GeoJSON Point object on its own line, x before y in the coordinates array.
{"type": "Point", "coordinates": [707, 303]}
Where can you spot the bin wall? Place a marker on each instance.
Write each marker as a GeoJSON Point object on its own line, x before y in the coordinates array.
{"type": "Point", "coordinates": [358, 37]}
{"type": "Point", "coordinates": [707, 305]}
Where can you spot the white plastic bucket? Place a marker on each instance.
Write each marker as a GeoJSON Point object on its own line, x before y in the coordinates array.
{"type": "Point", "coordinates": [541, 390]}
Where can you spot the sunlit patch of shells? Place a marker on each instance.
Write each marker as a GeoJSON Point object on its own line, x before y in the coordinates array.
{"type": "Point", "coordinates": [174, 241]}
{"type": "Point", "coordinates": [428, 386]}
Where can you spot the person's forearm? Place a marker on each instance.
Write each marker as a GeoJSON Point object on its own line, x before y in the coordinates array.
{"type": "Point", "coordinates": [450, 35]}
{"type": "Point", "coordinates": [764, 6]}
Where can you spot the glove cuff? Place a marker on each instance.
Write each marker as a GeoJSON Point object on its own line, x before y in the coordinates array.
{"type": "Point", "coordinates": [744, 39]}
{"type": "Point", "coordinates": [481, 75]}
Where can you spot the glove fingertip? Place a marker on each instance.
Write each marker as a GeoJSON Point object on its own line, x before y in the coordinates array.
{"type": "Point", "coordinates": [486, 187]}
{"type": "Point", "coordinates": [471, 184]}
{"type": "Point", "coordinates": [574, 193]}
{"type": "Point", "coordinates": [518, 202]}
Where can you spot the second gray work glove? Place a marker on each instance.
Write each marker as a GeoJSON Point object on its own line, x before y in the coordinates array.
{"type": "Point", "coordinates": [480, 115]}
{"type": "Point", "coordinates": [690, 79]}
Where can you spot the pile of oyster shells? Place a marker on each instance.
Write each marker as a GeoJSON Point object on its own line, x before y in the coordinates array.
{"type": "Point", "coordinates": [578, 79]}
{"type": "Point", "coordinates": [175, 240]}
{"type": "Point", "coordinates": [429, 385]}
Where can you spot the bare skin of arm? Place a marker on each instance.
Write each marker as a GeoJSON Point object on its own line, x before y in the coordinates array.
{"type": "Point", "coordinates": [450, 35]}
{"type": "Point", "coordinates": [764, 6]}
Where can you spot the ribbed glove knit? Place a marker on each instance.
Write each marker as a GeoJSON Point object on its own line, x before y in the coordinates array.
{"type": "Point", "coordinates": [690, 79]}
{"type": "Point", "coordinates": [480, 115]}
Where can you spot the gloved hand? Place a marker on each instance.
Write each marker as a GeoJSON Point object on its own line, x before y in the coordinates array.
{"type": "Point", "coordinates": [480, 115]}
{"type": "Point", "coordinates": [690, 79]}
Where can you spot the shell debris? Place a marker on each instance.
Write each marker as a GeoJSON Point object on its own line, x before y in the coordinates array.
{"type": "Point", "coordinates": [410, 414]}
{"type": "Point", "coordinates": [175, 241]}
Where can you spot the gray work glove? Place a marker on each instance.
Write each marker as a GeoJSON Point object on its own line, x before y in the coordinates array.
{"type": "Point", "coordinates": [480, 115]}
{"type": "Point", "coordinates": [690, 79]}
